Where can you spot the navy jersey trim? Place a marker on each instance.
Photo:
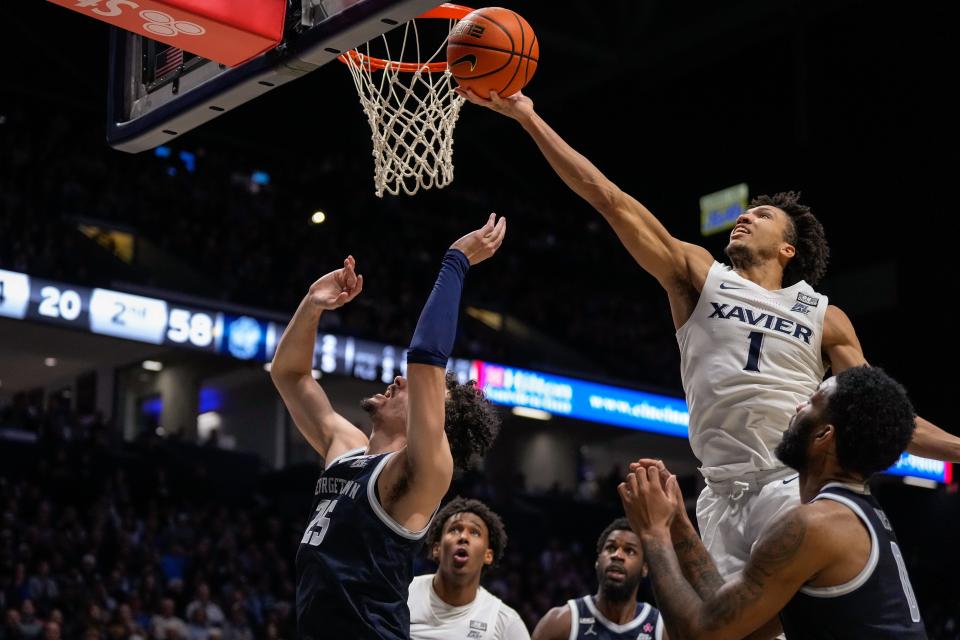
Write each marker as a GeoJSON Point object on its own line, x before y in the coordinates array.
{"type": "Point", "coordinates": [613, 626]}
{"type": "Point", "coordinates": [382, 514]}
{"type": "Point", "coordinates": [868, 569]}
{"type": "Point", "coordinates": [345, 455]}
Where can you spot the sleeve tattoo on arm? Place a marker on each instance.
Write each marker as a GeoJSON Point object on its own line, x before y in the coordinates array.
{"type": "Point", "coordinates": [774, 550]}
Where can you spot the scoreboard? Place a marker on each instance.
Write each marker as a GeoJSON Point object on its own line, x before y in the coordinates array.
{"type": "Point", "coordinates": [254, 337]}
{"type": "Point", "coordinates": [244, 336]}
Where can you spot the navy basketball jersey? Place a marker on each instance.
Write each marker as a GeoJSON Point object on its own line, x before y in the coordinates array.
{"type": "Point", "coordinates": [354, 563]}
{"type": "Point", "coordinates": [587, 623]}
{"type": "Point", "coordinates": [878, 603]}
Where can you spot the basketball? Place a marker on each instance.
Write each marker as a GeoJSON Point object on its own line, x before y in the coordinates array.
{"type": "Point", "coordinates": [492, 49]}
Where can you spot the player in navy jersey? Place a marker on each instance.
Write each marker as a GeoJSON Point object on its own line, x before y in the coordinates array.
{"type": "Point", "coordinates": [829, 567]}
{"type": "Point", "coordinates": [376, 496]}
{"type": "Point", "coordinates": [613, 613]}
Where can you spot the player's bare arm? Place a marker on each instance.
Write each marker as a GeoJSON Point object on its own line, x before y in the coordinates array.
{"type": "Point", "coordinates": [794, 548]}
{"type": "Point", "coordinates": [554, 625]}
{"type": "Point", "coordinates": [414, 481]}
{"type": "Point", "coordinates": [681, 268]}
{"type": "Point", "coordinates": [329, 433]}
{"type": "Point", "coordinates": [842, 349]}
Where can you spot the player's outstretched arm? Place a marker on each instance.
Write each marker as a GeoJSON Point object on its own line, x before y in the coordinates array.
{"type": "Point", "coordinates": [667, 259]}
{"type": "Point", "coordinates": [425, 466]}
{"type": "Point", "coordinates": [842, 348]}
{"type": "Point", "coordinates": [329, 433]}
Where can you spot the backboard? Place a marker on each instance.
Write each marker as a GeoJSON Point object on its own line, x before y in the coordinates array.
{"type": "Point", "coordinates": [157, 92]}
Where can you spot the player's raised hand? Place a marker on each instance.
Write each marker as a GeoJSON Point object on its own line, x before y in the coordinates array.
{"type": "Point", "coordinates": [517, 106]}
{"type": "Point", "coordinates": [668, 482]}
{"type": "Point", "coordinates": [645, 503]}
{"type": "Point", "coordinates": [337, 287]}
{"type": "Point", "coordinates": [481, 244]}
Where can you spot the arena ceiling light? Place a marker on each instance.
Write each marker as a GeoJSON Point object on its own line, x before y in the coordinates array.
{"type": "Point", "coordinates": [152, 365]}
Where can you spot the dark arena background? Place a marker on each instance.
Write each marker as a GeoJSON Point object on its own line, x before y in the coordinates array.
{"type": "Point", "coordinates": [147, 468]}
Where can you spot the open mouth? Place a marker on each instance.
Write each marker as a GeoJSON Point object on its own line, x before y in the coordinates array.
{"type": "Point", "coordinates": [616, 573]}
{"type": "Point", "coordinates": [460, 557]}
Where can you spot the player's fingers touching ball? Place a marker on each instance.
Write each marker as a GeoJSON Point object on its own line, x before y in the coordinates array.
{"type": "Point", "coordinates": [492, 49]}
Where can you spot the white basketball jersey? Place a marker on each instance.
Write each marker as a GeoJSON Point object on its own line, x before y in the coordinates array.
{"type": "Point", "coordinates": [748, 357]}
{"type": "Point", "coordinates": [486, 618]}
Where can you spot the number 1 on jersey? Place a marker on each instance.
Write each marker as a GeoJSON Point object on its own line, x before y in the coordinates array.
{"type": "Point", "coordinates": [753, 357]}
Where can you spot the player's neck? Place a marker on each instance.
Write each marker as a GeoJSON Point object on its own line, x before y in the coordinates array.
{"type": "Point", "coordinates": [768, 274]}
{"type": "Point", "coordinates": [453, 592]}
{"type": "Point", "coordinates": [616, 612]}
{"type": "Point", "coordinates": [812, 483]}
{"type": "Point", "coordinates": [384, 442]}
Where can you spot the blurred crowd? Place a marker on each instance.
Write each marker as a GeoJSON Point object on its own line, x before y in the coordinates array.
{"type": "Point", "coordinates": [170, 541]}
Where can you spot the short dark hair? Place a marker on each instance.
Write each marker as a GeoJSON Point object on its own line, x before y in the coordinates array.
{"type": "Point", "coordinates": [497, 534]}
{"type": "Point", "coordinates": [620, 524]}
{"type": "Point", "coordinates": [472, 422]}
{"type": "Point", "coordinates": [805, 233]}
{"type": "Point", "coordinates": [873, 417]}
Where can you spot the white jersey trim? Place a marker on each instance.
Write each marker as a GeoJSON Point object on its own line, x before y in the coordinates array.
{"type": "Point", "coordinates": [868, 569]}
{"type": "Point", "coordinates": [574, 619]}
{"type": "Point", "coordinates": [613, 626]}
{"type": "Point", "coordinates": [381, 513]}
{"type": "Point", "coordinates": [658, 634]}
{"type": "Point", "coordinates": [344, 455]}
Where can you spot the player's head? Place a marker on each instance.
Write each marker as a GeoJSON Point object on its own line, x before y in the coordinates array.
{"type": "Point", "coordinates": [472, 422]}
{"type": "Point", "coordinates": [779, 227]}
{"type": "Point", "coordinates": [465, 538]}
{"type": "Point", "coordinates": [620, 566]}
{"type": "Point", "coordinates": [863, 417]}
{"type": "Point", "coordinates": [388, 410]}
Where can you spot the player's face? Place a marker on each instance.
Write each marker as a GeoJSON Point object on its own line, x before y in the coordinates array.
{"type": "Point", "coordinates": [620, 565]}
{"type": "Point", "coordinates": [391, 405]}
{"type": "Point", "coordinates": [761, 231]}
{"type": "Point", "coordinates": [464, 547]}
{"type": "Point", "coordinates": [792, 450]}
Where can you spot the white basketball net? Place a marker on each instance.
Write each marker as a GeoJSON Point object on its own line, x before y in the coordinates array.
{"type": "Point", "coordinates": [411, 116]}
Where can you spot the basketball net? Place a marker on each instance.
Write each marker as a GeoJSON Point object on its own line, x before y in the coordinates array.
{"type": "Point", "coordinates": [412, 110]}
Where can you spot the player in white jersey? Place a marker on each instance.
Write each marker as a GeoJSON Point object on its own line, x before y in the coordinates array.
{"type": "Point", "coordinates": [465, 539]}
{"type": "Point", "coordinates": [755, 339]}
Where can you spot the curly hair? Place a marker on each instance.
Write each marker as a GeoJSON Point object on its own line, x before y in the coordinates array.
{"type": "Point", "coordinates": [805, 233]}
{"type": "Point", "coordinates": [472, 422]}
{"type": "Point", "coordinates": [496, 533]}
{"type": "Point", "coordinates": [620, 524]}
{"type": "Point", "coordinates": [873, 417]}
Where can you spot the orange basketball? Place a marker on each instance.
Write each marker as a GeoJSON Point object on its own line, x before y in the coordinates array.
{"type": "Point", "coordinates": [492, 49]}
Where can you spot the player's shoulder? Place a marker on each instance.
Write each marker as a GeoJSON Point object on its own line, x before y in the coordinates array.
{"type": "Point", "coordinates": [555, 623]}
{"type": "Point", "coordinates": [510, 623]}
{"type": "Point", "coordinates": [813, 526]}
{"type": "Point", "coordinates": [420, 586]}
{"type": "Point", "coordinates": [422, 581]}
